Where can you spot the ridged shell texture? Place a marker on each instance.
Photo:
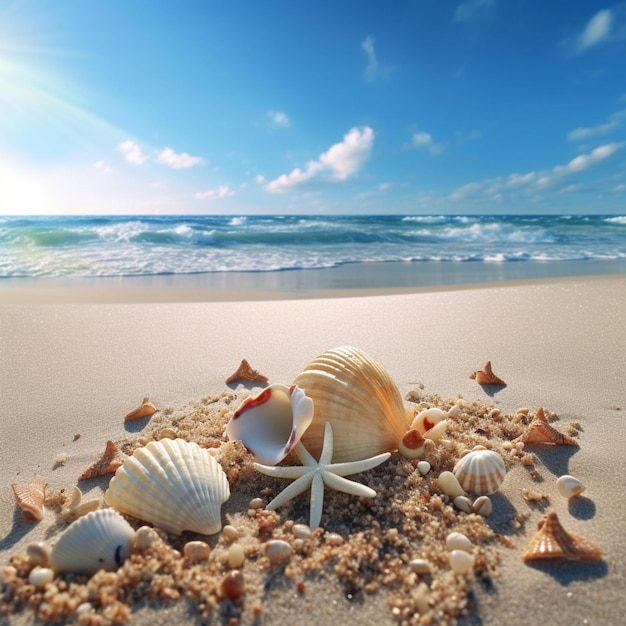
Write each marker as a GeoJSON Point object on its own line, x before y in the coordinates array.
{"type": "Point", "coordinates": [173, 484]}
{"type": "Point", "coordinates": [358, 397]}
{"type": "Point", "coordinates": [480, 472]}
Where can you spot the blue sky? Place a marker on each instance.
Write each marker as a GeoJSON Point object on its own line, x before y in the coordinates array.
{"type": "Point", "coordinates": [423, 106]}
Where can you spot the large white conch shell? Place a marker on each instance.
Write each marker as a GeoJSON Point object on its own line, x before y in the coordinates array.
{"type": "Point", "coordinates": [271, 423]}
{"type": "Point", "coordinates": [101, 539]}
{"type": "Point", "coordinates": [173, 484]}
{"type": "Point", "coordinates": [361, 401]}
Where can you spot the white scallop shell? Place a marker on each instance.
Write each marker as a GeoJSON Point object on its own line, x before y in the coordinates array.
{"type": "Point", "coordinates": [358, 397]}
{"type": "Point", "coordinates": [480, 472]}
{"type": "Point", "coordinates": [99, 540]}
{"type": "Point", "coordinates": [173, 484]}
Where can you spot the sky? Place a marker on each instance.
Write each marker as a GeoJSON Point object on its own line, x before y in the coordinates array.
{"type": "Point", "coordinates": [249, 107]}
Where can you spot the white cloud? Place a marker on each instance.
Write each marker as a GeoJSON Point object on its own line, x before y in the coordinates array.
{"type": "Point", "coordinates": [597, 30]}
{"type": "Point", "coordinates": [278, 119]}
{"type": "Point", "coordinates": [425, 140]}
{"type": "Point", "coordinates": [101, 166]}
{"type": "Point", "coordinates": [613, 122]}
{"type": "Point", "coordinates": [374, 69]}
{"type": "Point", "coordinates": [259, 179]}
{"type": "Point", "coordinates": [132, 152]}
{"type": "Point", "coordinates": [472, 10]}
{"type": "Point", "coordinates": [340, 161]}
{"type": "Point", "coordinates": [176, 160]}
{"type": "Point", "coordinates": [585, 161]}
{"type": "Point", "coordinates": [215, 194]}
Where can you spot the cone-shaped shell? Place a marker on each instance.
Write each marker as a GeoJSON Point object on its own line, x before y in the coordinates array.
{"type": "Point", "coordinates": [271, 423]}
{"type": "Point", "coordinates": [100, 540]}
{"type": "Point", "coordinates": [480, 472]}
{"type": "Point", "coordinates": [358, 397]}
{"type": "Point", "coordinates": [173, 484]}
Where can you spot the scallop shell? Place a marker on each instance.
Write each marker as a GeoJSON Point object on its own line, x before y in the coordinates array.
{"type": "Point", "coordinates": [552, 541]}
{"type": "Point", "coordinates": [358, 397]}
{"type": "Point", "coordinates": [99, 540]}
{"type": "Point", "coordinates": [480, 472]}
{"type": "Point", "coordinates": [30, 498]}
{"type": "Point", "coordinates": [173, 484]}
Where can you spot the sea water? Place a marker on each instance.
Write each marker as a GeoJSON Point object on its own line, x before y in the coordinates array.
{"type": "Point", "coordinates": [105, 246]}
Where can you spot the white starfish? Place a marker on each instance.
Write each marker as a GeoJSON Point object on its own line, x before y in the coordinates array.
{"type": "Point", "coordinates": [315, 474]}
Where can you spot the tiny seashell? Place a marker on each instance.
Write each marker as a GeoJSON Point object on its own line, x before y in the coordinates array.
{"type": "Point", "coordinates": [233, 586]}
{"type": "Point", "coordinates": [540, 431]}
{"type": "Point", "coordinates": [486, 376]}
{"type": "Point", "coordinates": [357, 395]}
{"type": "Point", "coordinates": [230, 533]}
{"type": "Point", "coordinates": [38, 553]}
{"type": "Point", "coordinates": [145, 409]}
{"type": "Point", "coordinates": [145, 538]}
{"type": "Point", "coordinates": [413, 444]}
{"type": "Point", "coordinates": [30, 498]}
{"type": "Point", "coordinates": [334, 539]}
{"type": "Point", "coordinates": [301, 531]}
{"type": "Point", "coordinates": [76, 508]}
{"type": "Point", "coordinates": [463, 503]}
{"type": "Point", "coordinates": [168, 433]}
{"type": "Point", "coordinates": [449, 484]}
{"type": "Point", "coordinates": [454, 412]}
{"type": "Point", "coordinates": [569, 486]}
{"type": "Point", "coordinates": [271, 423]}
{"type": "Point", "coordinates": [420, 566]}
{"type": "Point", "coordinates": [256, 503]}
{"type": "Point", "coordinates": [236, 555]}
{"type": "Point", "coordinates": [111, 459]}
{"type": "Point", "coordinates": [40, 576]}
{"type": "Point", "coordinates": [423, 467]}
{"type": "Point", "coordinates": [246, 372]}
{"type": "Point", "coordinates": [483, 506]}
{"type": "Point", "coordinates": [426, 420]}
{"type": "Point", "coordinates": [458, 541]}
{"type": "Point", "coordinates": [552, 541]}
{"type": "Point", "coordinates": [100, 540]}
{"type": "Point", "coordinates": [196, 551]}
{"type": "Point", "coordinates": [173, 484]}
{"type": "Point", "coordinates": [480, 472]}
{"type": "Point", "coordinates": [461, 562]}
{"type": "Point", "coordinates": [278, 551]}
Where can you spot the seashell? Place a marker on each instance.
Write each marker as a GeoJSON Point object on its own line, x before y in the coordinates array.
{"type": "Point", "coordinates": [76, 508]}
{"type": "Point", "coordinates": [569, 486]}
{"type": "Point", "coordinates": [145, 538]}
{"type": "Point", "coordinates": [449, 484]}
{"type": "Point", "coordinates": [461, 562]}
{"type": "Point", "coordinates": [480, 472]}
{"type": "Point", "coordinates": [430, 423]}
{"type": "Point", "coordinates": [101, 539]}
{"type": "Point", "coordinates": [271, 423]}
{"type": "Point", "coordinates": [552, 541]}
{"type": "Point", "coordinates": [358, 397]}
{"type": "Point", "coordinates": [40, 576]}
{"type": "Point", "coordinates": [246, 372]}
{"type": "Point", "coordinates": [173, 484]}
{"type": "Point", "coordinates": [196, 551]}
{"type": "Point", "coordinates": [463, 503]}
{"type": "Point", "coordinates": [413, 444]}
{"type": "Point", "coordinates": [30, 498]}
{"type": "Point", "coordinates": [482, 506]}
{"type": "Point", "coordinates": [458, 541]}
{"type": "Point", "coordinates": [486, 376]}
{"type": "Point", "coordinates": [111, 459]}
{"type": "Point", "coordinates": [145, 409]}
{"type": "Point", "coordinates": [540, 431]}
{"type": "Point", "coordinates": [38, 553]}
{"type": "Point", "coordinates": [230, 533]}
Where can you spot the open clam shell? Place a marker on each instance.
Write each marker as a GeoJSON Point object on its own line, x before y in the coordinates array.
{"type": "Point", "coordinates": [173, 484]}
{"type": "Point", "coordinates": [99, 540]}
{"type": "Point", "coordinates": [480, 472]}
{"type": "Point", "coordinates": [271, 423]}
{"type": "Point", "coordinates": [358, 397]}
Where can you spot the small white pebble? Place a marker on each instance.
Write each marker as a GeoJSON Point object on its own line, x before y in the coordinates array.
{"type": "Point", "coordinates": [458, 541]}
{"type": "Point", "coordinates": [461, 562]}
{"type": "Point", "coordinates": [61, 458]}
{"type": "Point", "coordinates": [256, 503]}
{"type": "Point", "coordinates": [230, 533]}
{"type": "Point", "coordinates": [423, 467]}
{"type": "Point", "coordinates": [196, 551]}
{"type": "Point", "coordinates": [449, 484]}
{"type": "Point", "coordinates": [236, 555]}
{"type": "Point", "coordinates": [519, 445]}
{"type": "Point", "coordinates": [145, 537]}
{"type": "Point", "coordinates": [569, 486]}
{"type": "Point", "coordinates": [40, 576]}
{"type": "Point", "coordinates": [507, 445]}
{"type": "Point", "coordinates": [420, 566]}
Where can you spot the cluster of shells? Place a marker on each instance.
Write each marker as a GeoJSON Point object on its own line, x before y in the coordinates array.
{"type": "Point", "coordinates": [176, 485]}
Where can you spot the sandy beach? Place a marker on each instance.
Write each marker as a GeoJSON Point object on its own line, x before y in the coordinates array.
{"type": "Point", "coordinates": [77, 365]}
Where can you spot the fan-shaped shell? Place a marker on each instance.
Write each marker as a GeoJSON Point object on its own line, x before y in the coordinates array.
{"type": "Point", "coordinates": [358, 397]}
{"type": "Point", "coordinates": [99, 540]}
{"type": "Point", "coordinates": [480, 472]}
{"type": "Point", "coordinates": [173, 484]}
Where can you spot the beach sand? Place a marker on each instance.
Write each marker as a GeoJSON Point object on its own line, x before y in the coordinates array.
{"type": "Point", "coordinates": [77, 369]}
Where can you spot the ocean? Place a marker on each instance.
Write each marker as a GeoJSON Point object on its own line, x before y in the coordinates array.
{"type": "Point", "coordinates": [119, 246]}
